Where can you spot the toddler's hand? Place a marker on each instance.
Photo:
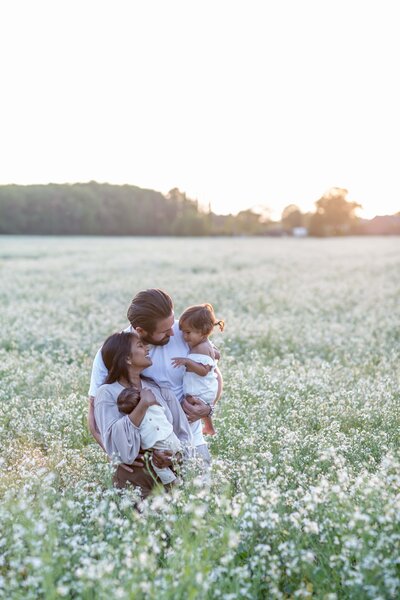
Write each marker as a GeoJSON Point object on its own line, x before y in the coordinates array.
{"type": "Point", "coordinates": [178, 362]}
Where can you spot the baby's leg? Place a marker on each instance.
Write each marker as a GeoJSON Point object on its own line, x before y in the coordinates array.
{"type": "Point", "coordinates": [172, 443]}
{"type": "Point", "coordinates": [166, 475]}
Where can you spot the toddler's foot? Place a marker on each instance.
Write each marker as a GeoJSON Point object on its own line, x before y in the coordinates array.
{"type": "Point", "coordinates": [209, 430]}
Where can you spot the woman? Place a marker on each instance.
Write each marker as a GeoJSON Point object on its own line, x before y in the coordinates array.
{"type": "Point", "coordinates": [126, 356]}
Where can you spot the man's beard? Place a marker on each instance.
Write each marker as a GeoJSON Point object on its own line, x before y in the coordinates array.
{"type": "Point", "coordinates": [149, 340]}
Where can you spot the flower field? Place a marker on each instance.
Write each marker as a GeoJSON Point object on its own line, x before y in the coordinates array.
{"type": "Point", "coordinates": [304, 496]}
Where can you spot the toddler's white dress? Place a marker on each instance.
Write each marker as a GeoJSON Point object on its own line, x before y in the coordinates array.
{"type": "Point", "coordinates": [205, 387]}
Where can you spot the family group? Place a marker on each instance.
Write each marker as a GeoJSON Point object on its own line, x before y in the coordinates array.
{"type": "Point", "coordinates": [153, 390]}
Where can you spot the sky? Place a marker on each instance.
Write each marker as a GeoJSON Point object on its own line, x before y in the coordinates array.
{"type": "Point", "coordinates": [239, 104]}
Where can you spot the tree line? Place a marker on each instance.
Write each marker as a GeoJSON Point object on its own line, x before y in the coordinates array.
{"type": "Point", "coordinates": [103, 209]}
{"type": "Point", "coordinates": [96, 209]}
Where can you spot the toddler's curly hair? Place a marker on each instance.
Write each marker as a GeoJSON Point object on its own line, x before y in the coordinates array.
{"type": "Point", "coordinates": [200, 317]}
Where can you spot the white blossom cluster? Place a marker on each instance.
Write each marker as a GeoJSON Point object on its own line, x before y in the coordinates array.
{"type": "Point", "coordinates": [304, 495]}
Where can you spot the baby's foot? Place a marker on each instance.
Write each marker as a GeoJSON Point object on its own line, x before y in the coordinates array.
{"type": "Point", "coordinates": [175, 483]}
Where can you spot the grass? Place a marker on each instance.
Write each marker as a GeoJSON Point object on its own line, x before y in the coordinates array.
{"type": "Point", "coordinates": [303, 500]}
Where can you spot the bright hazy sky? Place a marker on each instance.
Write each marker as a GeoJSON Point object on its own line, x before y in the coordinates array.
{"type": "Point", "coordinates": [237, 103]}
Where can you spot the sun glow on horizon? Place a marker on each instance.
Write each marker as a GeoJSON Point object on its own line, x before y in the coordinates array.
{"type": "Point", "coordinates": [255, 106]}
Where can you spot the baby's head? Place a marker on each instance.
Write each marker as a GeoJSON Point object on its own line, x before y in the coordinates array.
{"type": "Point", "coordinates": [200, 318]}
{"type": "Point", "coordinates": [128, 400]}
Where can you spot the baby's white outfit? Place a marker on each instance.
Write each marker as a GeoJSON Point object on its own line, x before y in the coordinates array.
{"type": "Point", "coordinates": [157, 432]}
{"type": "Point", "coordinates": [206, 387]}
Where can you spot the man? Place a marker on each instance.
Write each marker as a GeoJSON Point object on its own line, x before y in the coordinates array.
{"type": "Point", "coordinates": [151, 315]}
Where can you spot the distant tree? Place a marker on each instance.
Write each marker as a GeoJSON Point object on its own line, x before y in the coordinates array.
{"type": "Point", "coordinates": [307, 218]}
{"type": "Point", "coordinates": [263, 211]}
{"type": "Point", "coordinates": [248, 222]}
{"type": "Point", "coordinates": [188, 219]}
{"type": "Point", "coordinates": [292, 217]}
{"type": "Point", "coordinates": [334, 215]}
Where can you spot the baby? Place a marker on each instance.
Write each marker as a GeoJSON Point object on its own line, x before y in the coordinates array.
{"type": "Point", "coordinates": [155, 430]}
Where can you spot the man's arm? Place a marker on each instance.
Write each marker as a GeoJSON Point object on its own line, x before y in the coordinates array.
{"type": "Point", "coordinates": [97, 377]}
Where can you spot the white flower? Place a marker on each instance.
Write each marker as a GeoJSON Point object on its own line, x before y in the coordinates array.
{"type": "Point", "coordinates": [63, 590]}
{"type": "Point", "coordinates": [311, 527]}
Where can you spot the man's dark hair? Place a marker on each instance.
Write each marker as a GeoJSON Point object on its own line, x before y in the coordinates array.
{"type": "Point", "coordinates": [148, 307]}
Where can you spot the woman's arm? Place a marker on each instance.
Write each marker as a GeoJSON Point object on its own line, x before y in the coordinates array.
{"type": "Point", "coordinates": [119, 434]}
{"type": "Point", "coordinates": [147, 399]}
{"type": "Point", "coordinates": [92, 423]}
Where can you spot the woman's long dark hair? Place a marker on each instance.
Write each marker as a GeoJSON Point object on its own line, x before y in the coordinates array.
{"type": "Point", "coordinates": [115, 353]}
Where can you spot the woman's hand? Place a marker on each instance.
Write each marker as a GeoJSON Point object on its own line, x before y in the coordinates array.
{"type": "Point", "coordinates": [138, 462]}
{"type": "Point", "coordinates": [148, 398]}
{"type": "Point", "coordinates": [195, 409]}
{"type": "Point", "coordinates": [162, 458]}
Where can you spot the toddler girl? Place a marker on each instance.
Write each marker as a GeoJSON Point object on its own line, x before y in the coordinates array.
{"type": "Point", "coordinates": [197, 323]}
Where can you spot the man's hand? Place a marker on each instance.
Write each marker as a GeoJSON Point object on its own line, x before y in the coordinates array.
{"type": "Point", "coordinates": [195, 409]}
{"type": "Point", "coordinates": [162, 458]}
{"type": "Point", "coordinates": [179, 362]}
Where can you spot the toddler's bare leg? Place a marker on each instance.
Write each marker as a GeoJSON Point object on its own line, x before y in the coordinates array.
{"type": "Point", "coordinates": [208, 428]}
